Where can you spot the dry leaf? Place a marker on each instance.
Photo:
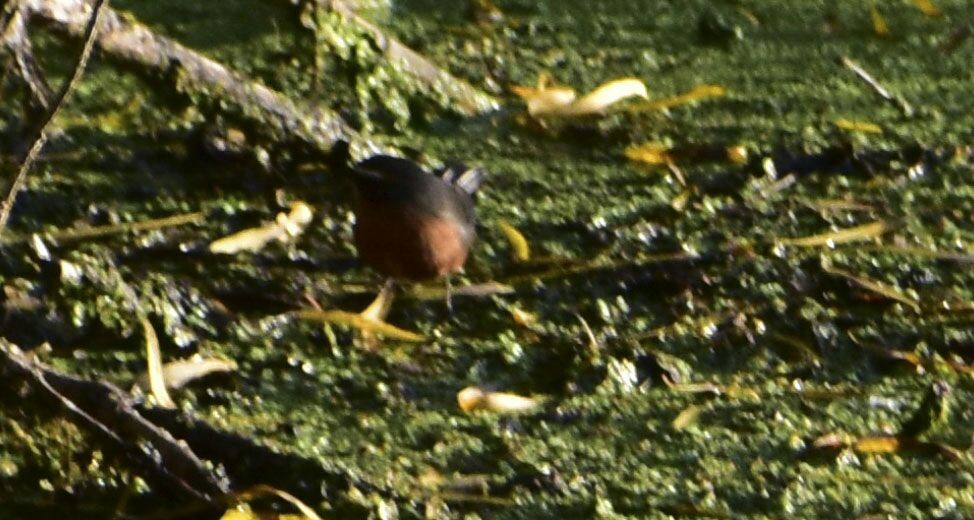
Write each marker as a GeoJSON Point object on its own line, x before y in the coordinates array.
{"type": "Point", "coordinates": [252, 239]}
{"type": "Point", "coordinates": [659, 154]}
{"type": "Point", "coordinates": [698, 92]}
{"type": "Point", "coordinates": [378, 310]}
{"type": "Point", "coordinates": [177, 374]}
{"type": "Point", "coordinates": [606, 95]}
{"type": "Point", "coordinates": [524, 318]}
{"type": "Point", "coordinates": [858, 126]}
{"type": "Point", "coordinates": [263, 490]}
{"type": "Point", "coordinates": [879, 23]}
{"type": "Point", "coordinates": [680, 201]}
{"type": "Point", "coordinates": [561, 101]}
{"type": "Point", "coordinates": [473, 398]}
{"type": "Point", "coordinates": [284, 228]}
{"type": "Point", "coordinates": [830, 441]}
{"type": "Point", "coordinates": [655, 154]}
{"type": "Point", "coordinates": [157, 380]}
{"type": "Point", "coordinates": [547, 101]}
{"type": "Point", "coordinates": [737, 154]}
{"type": "Point", "coordinates": [362, 323]}
{"type": "Point", "coordinates": [879, 444]}
{"type": "Point", "coordinates": [688, 416]}
{"type": "Point", "coordinates": [927, 7]}
{"type": "Point", "coordinates": [854, 234]}
{"type": "Point", "coordinates": [520, 249]}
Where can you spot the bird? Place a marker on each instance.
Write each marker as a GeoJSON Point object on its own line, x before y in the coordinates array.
{"type": "Point", "coordinates": [412, 224]}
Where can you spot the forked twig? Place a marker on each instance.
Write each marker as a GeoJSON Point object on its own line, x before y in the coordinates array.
{"type": "Point", "coordinates": [21, 177]}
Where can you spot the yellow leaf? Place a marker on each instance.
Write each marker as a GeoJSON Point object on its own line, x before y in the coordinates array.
{"type": "Point", "coordinates": [878, 444]}
{"type": "Point", "coordinates": [858, 233]}
{"type": "Point", "coordinates": [737, 154]}
{"type": "Point", "coordinates": [545, 100]}
{"type": "Point", "coordinates": [264, 490]}
{"type": "Point", "coordinates": [360, 322]}
{"type": "Point", "coordinates": [284, 228]}
{"type": "Point", "coordinates": [378, 310]}
{"type": "Point", "coordinates": [238, 513]}
{"type": "Point", "coordinates": [830, 441]}
{"type": "Point", "coordinates": [179, 373]}
{"type": "Point", "coordinates": [523, 318]}
{"type": "Point", "coordinates": [927, 7]}
{"type": "Point", "coordinates": [858, 126]}
{"type": "Point", "coordinates": [656, 154]}
{"type": "Point", "coordinates": [698, 92]}
{"type": "Point", "coordinates": [157, 381]}
{"type": "Point", "coordinates": [879, 23]}
{"type": "Point", "coordinates": [606, 95]}
{"type": "Point", "coordinates": [520, 249]}
{"type": "Point", "coordinates": [687, 417]}
{"type": "Point", "coordinates": [679, 203]}
{"type": "Point", "coordinates": [473, 398]}
{"type": "Point", "coordinates": [252, 239]}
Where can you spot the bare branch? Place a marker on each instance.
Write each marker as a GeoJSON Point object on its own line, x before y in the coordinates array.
{"type": "Point", "coordinates": [103, 409]}
{"type": "Point", "coordinates": [62, 96]}
{"type": "Point", "coordinates": [199, 76]}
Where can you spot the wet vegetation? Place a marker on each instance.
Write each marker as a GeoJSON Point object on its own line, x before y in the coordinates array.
{"type": "Point", "coordinates": [754, 299]}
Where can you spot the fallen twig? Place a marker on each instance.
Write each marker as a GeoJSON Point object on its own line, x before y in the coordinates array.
{"type": "Point", "coordinates": [273, 113]}
{"type": "Point", "coordinates": [840, 236]}
{"type": "Point", "coordinates": [249, 461]}
{"type": "Point", "coordinates": [90, 32]}
{"type": "Point", "coordinates": [882, 289]}
{"type": "Point", "coordinates": [111, 229]}
{"type": "Point", "coordinates": [876, 86]}
{"type": "Point", "coordinates": [104, 410]}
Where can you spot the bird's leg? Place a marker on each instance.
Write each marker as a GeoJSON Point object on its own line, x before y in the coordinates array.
{"type": "Point", "coordinates": [449, 296]}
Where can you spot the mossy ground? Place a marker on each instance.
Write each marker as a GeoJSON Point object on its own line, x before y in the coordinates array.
{"type": "Point", "coordinates": [796, 352]}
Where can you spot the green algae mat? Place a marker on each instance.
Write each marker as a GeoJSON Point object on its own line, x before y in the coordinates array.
{"type": "Point", "coordinates": [744, 292]}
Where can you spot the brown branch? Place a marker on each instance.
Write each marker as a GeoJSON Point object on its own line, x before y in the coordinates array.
{"type": "Point", "coordinates": [103, 409]}
{"type": "Point", "coordinates": [21, 177]}
{"type": "Point", "coordinates": [467, 99]}
{"type": "Point", "coordinates": [198, 76]}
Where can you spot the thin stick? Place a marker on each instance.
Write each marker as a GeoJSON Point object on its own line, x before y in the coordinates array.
{"type": "Point", "coordinates": [892, 293]}
{"type": "Point", "coordinates": [21, 178]}
{"type": "Point", "coordinates": [145, 225]}
{"type": "Point", "coordinates": [876, 86]}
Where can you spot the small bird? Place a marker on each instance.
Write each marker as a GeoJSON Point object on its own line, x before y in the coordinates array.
{"type": "Point", "coordinates": [411, 224]}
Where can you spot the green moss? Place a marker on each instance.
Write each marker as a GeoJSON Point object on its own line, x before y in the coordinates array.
{"type": "Point", "coordinates": [795, 352]}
